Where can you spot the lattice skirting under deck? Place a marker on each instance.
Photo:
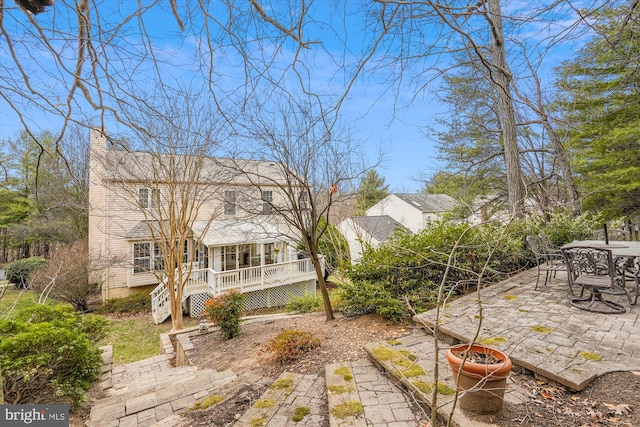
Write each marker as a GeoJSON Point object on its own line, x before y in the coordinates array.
{"type": "Point", "coordinates": [272, 297]}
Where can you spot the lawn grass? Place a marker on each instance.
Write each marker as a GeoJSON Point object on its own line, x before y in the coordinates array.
{"type": "Point", "coordinates": [16, 299]}
{"type": "Point", "coordinates": [133, 338]}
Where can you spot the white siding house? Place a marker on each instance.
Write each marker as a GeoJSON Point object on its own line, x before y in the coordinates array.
{"type": "Point", "coordinates": [236, 239]}
{"type": "Point", "coordinates": [413, 211]}
{"type": "Point", "coordinates": [367, 231]}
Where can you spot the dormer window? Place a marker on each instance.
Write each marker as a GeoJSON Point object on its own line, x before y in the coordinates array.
{"type": "Point", "coordinates": [148, 197]}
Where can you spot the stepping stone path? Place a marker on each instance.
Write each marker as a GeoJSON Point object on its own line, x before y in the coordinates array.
{"type": "Point", "coordinates": [381, 391]}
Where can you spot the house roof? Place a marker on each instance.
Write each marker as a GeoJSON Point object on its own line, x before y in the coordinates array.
{"type": "Point", "coordinates": [428, 202]}
{"type": "Point", "coordinates": [379, 227]}
{"type": "Point", "coordinates": [231, 232]}
{"type": "Point", "coordinates": [227, 232]}
{"type": "Point", "coordinates": [142, 230]}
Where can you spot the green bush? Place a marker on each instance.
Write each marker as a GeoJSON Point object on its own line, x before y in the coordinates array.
{"type": "Point", "coordinates": [410, 267]}
{"type": "Point", "coordinates": [306, 303]}
{"type": "Point", "coordinates": [18, 271]}
{"type": "Point", "coordinates": [136, 303]}
{"type": "Point", "coordinates": [225, 311]}
{"type": "Point", "coordinates": [49, 355]}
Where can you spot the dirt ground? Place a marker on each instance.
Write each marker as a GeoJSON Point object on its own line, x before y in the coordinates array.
{"type": "Point", "coordinates": [612, 400]}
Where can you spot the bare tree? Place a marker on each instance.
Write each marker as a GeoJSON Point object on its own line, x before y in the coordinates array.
{"type": "Point", "coordinates": [321, 167]}
{"type": "Point", "coordinates": [168, 186]}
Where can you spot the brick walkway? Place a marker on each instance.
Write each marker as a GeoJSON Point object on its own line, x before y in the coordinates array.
{"type": "Point", "coordinates": [542, 332]}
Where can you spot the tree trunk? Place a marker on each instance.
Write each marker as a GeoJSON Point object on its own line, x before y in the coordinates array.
{"type": "Point", "coordinates": [328, 310]}
{"type": "Point", "coordinates": [565, 167]}
{"type": "Point", "coordinates": [501, 80]}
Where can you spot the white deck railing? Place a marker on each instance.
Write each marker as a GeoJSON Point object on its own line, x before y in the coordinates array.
{"type": "Point", "coordinates": [243, 280]}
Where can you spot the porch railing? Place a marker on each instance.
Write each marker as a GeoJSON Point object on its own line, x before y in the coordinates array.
{"type": "Point", "coordinates": [243, 280]}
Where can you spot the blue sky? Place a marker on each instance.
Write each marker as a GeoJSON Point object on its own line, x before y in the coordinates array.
{"type": "Point", "coordinates": [377, 118]}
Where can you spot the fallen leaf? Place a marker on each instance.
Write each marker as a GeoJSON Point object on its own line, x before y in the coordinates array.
{"type": "Point", "coordinates": [547, 395]}
{"type": "Point", "coordinates": [636, 373]}
{"type": "Point", "coordinates": [621, 409]}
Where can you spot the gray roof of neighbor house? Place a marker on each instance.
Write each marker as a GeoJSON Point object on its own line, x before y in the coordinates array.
{"type": "Point", "coordinates": [428, 202]}
{"type": "Point", "coordinates": [380, 227]}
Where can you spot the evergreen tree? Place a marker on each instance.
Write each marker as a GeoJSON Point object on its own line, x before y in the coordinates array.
{"type": "Point", "coordinates": [372, 189]}
{"type": "Point", "coordinates": [601, 103]}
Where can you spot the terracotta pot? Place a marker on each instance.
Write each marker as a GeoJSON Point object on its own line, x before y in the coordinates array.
{"type": "Point", "coordinates": [481, 385]}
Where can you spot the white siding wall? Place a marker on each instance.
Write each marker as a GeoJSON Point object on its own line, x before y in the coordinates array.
{"type": "Point", "coordinates": [114, 213]}
{"type": "Point", "coordinates": [405, 214]}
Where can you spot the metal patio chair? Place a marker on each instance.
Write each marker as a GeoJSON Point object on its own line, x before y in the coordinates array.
{"type": "Point", "coordinates": [550, 263]}
{"type": "Point", "coordinates": [613, 234]}
{"type": "Point", "coordinates": [593, 270]}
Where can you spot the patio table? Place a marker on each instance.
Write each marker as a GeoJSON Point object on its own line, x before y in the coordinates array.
{"type": "Point", "coordinates": [624, 254]}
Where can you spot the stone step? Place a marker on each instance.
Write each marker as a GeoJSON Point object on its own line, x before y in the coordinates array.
{"type": "Point", "coordinates": [411, 361]}
{"type": "Point", "coordinates": [359, 394]}
{"type": "Point", "coordinates": [291, 400]}
{"type": "Point", "coordinates": [146, 405]}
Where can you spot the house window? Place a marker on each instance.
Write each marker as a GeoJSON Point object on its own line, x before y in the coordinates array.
{"type": "Point", "coordinates": [141, 257]}
{"type": "Point", "coordinates": [147, 256]}
{"type": "Point", "coordinates": [158, 260]}
{"type": "Point", "coordinates": [267, 202]}
{"type": "Point", "coordinates": [303, 200]}
{"type": "Point", "coordinates": [230, 202]}
{"type": "Point", "coordinates": [148, 197]}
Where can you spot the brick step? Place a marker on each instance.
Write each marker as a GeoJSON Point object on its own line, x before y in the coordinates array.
{"type": "Point", "coordinates": [149, 403]}
{"type": "Point", "coordinates": [291, 400]}
{"type": "Point", "coordinates": [359, 394]}
{"type": "Point", "coordinates": [410, 360]}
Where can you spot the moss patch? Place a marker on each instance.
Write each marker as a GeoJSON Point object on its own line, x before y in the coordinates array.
{"type": "Point", "coordinates": [344, 372]}
{"type": "Point", "coordinates": [394, 342]}
{"type": "Point", "coordinates": [347, 409]}
{"type": "Point", "coordinates": [207, 402]}
{"type": "Point", "coordinates": [403, 360]}
{"type": "Point", "coordinates": [510, 297]}
{"type": "Point", "coordinates": [541, 329]}
{"type": "Point", "coordinates": [520, 310]}
{"type": "Point", "coordinates": [340, 389]}
{"type": "Point", "coordinates": [282, 384]}
{"type": "Point", "coordinates": [258, 422]}
{"type": "Point", "coordinates": [427, 388]}
{"type": "Point", "coordinates": [493, 340]}
{"type": "Point", "coordinates": [587, 355]}
{"type": "Point", "coordinates": [299, 413]}
{"type": "Point", "coordinates": [264, 403]}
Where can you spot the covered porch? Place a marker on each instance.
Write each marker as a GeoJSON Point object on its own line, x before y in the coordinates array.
{"type": "Point", "coordinates": [247, 257]}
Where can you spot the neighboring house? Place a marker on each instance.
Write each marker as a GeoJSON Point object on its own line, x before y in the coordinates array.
{"type": "Point", "coordinates": [413, 211]}
{"type": "Point", "coordinates": [363, 231]}
{"type": "Point", "coordinates": [233, 247]}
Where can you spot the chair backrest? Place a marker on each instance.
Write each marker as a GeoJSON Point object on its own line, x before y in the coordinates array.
{"type": "Point", "coordinates": [613, 233]}
{"type": "Point", "coordinates": [546, 244]}
{"type": "Point", "coordinates": [535, 244]}
{"type": "Point", "coordinates": [589, 261]}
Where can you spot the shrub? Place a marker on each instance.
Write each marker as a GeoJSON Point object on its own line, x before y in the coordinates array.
{"type": "Point", "coordinates": [18, 271]}
{"type": "Point", "coordinates": [290, 345]}
{"type": "Point", "coordinates": [224, 311]}
{"type": "Point", "coordinates": [136, 303]}
{"type": "Point", "coordinates": [49, 355]}
{"type": "Point", "coordinates": [306, 303]}
{"type": "Point", "coordinates": [66, 277]}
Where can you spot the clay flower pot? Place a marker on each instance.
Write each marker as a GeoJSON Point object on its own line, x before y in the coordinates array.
{"type": "Point", "coordinates": [483, 377]}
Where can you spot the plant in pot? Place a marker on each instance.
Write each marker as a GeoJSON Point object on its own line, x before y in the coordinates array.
{"type": "Point", "coordinates": [480, 373]}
